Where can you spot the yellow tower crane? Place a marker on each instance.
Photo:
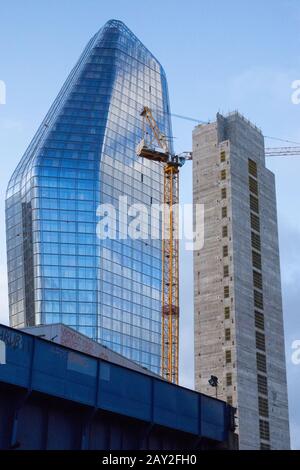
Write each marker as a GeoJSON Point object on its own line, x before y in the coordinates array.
{"type": "Point", "coordinates": [170, 243]}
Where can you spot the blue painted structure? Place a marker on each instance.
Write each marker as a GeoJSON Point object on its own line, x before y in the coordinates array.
{"type": "Point", "coordinates": [52, 397]}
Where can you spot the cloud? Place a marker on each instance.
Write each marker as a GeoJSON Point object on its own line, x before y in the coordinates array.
{"type": "Point", "coordinates": [269, 83]}
{"type": "Point", "coordinates": [186, 345]}
{"type": "Point", "coordinates": [293, 389]}
{"type": "Point", "coordinates": [290, 269]}
{"type": "Point", "coordinates": [8, 124]}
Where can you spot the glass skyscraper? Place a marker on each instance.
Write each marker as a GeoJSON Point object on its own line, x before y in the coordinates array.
{"type": "Point", "coordinates": [83, 155]}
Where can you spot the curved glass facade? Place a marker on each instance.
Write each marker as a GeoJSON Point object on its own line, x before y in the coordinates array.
{"type": "Point", "coordinates": [83, 155]}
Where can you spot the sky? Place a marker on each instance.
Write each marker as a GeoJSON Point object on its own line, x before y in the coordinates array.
{"type": "Point", "coordinates": [219, 57]}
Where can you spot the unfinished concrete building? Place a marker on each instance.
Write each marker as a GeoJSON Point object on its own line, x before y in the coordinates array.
{"type": "Point", "coordinates": [238, 308]}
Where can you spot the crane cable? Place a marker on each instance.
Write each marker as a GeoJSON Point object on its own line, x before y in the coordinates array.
{"type": "Point", "coordinates": [199, 121]}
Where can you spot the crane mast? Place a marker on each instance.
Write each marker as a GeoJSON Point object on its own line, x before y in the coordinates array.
{"type": "Point", "coordinates": [170, 276]}
{"type": "Point", "coordinates": [170, 243]}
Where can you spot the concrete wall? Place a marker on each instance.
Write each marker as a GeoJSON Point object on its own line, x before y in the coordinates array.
{"type": "Point", "coordinates": [240, 140]}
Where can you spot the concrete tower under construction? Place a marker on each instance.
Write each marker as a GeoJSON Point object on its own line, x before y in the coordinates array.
{"type": "Point", "coordinates": [239, 334]}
